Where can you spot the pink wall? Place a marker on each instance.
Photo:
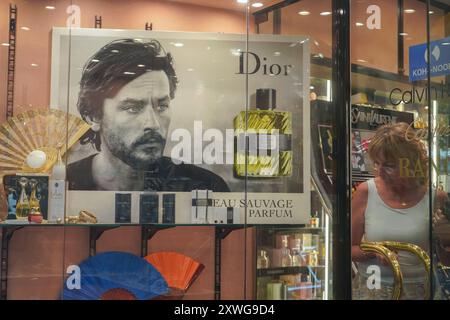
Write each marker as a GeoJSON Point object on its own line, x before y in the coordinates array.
{"type": "Point", "coordinates": [314, 25]}
{"type": "Point", "coordinates": [4, 18]}
{"type": "Point", "coordinates": [374, 48]}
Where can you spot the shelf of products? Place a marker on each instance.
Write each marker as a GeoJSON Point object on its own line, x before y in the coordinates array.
{"type": "Point", "coordinates": [157, 225]}
{"type": "Point", "coordinates": [292, 262]}
{"type": "Point", "coordinates": [269, 272]}
{"type": "Point", "coordinates": [147, 232]}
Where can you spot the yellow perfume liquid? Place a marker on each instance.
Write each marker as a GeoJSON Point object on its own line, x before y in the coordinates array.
{"type": "Point", "coordinates": [34, 201]}
{"type": "Point", "coordinates": [23, 205]}
{"type": "Point", "coordinates": [263, 139]}
{"type": "Point", "coordinates": [22, 210]}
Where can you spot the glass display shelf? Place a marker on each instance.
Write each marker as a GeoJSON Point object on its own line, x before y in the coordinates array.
{"type": "Point", "coordinates": [279, 271]}
{"type": "Point", "coordinates": [4, 224]}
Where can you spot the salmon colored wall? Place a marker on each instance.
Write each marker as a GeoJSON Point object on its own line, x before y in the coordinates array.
{"type": "Point", "coordinates": [32, 84]}
{"type": "Point", "coordinates": [315, 26]}
{"type": "Point", "coordinates": [4, 18]}
{"type": "Point", "coordinates": [36, 263]}
{"type": "Point", "coordinates": [375, 48]}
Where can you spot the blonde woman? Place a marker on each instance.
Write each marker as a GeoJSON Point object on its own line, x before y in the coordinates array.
{"type": "Point", "coordinates": [393, 206]}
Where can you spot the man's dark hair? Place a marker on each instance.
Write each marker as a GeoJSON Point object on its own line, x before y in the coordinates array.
{"type": "Point", "coordinates": [111, 68]}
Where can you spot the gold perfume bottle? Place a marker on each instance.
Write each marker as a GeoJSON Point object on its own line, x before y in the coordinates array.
{"type": "Point", "coordinates": [263, 260]}
{"type": "Point", "coordinates": [286, 258]}
{"type": "Point", "coordinates": [34, 201]}
{"type": "Point", "coordinates": [314, 220]}
{"type": "Point", "coordinates": [263, 139]}
{"type": "Point", "coordinates": [23, 205]}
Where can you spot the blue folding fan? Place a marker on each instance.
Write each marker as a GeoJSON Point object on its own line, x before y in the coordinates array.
{"type": "Point", "coordinates": [113, 271]}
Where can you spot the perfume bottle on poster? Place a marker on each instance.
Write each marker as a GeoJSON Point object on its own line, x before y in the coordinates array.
{"type": "Point", "coordinates": [263, 146]}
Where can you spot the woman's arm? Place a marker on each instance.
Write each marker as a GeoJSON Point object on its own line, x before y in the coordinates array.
{"type": "Point", "coordinates": [441, 226]}
{"type": "Point", "coordinates": [359, 205]}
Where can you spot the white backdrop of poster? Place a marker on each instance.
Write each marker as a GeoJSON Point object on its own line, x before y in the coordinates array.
{"type": "Point", "coordinates": [212, 90]}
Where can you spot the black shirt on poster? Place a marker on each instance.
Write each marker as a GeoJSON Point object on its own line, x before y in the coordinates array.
{"type": "Point", "coordinates": [165, 176]}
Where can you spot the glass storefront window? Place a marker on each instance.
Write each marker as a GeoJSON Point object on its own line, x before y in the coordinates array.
{"type": "Point", "coordinates": [196, 149]}
{"type": "Point", "coordinates": [169, 143]}
{"type": "Point", "coordinates": [398, 189]}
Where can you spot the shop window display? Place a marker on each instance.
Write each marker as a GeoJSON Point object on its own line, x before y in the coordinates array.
{"type": "Point", "coordinates": [194, 143]}
{"type": "Point", "coordinates": [161, 151]}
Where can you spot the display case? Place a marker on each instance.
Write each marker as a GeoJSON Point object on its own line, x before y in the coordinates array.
{"type": "Point", "coordinates": [198, 149]}
{"type": "Point", "coordinates": [165, 155]}
{"type": "Point", "coordinates": [292, 263]}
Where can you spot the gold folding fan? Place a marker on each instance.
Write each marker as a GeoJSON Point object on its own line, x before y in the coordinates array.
{"type": "Point", "coordinates": [34, 131]}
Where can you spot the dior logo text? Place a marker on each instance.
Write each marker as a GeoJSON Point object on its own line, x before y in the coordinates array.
{"type": "Point", "coordinates": [257, 64]}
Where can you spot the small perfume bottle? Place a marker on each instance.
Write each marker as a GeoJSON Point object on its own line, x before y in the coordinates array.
{"type": "Point", "coordinates": [35, 216]}
{"type": "Point", "coordinates": [263, 146]}
{"type": "Point", "coordinates": [286, 258]}
{"type": "Point", "coordinates": [296, 251]}
{"type": "Point", "coordinates": [296, 259]}
{"type": "Point", "coordinates": [263, 260]}
{"type": "Point", "coordinates": [57, 190]}
{"type": "Point", "coordinates": [23, 205]}
{"type": "Point", "coordinates": [12, 203]}
{"type": "Point", "coordinates": [274, 290]}
{"type": "Point", "coordinates": [34, 201]}
{"type": "Point", "coordinates": [313, 258]}
{"type": "Point", "coordinates": [314, 220]}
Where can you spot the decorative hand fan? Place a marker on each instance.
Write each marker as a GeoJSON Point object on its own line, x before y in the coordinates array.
{"type": "Point", "coordinates": [118, 294]}
{"type": "Point", "coordinates": [178, 270]}
{"type": "Point", "coordinates": [29, 142]}
{"type": "Point", "coordinates": [117, 275]}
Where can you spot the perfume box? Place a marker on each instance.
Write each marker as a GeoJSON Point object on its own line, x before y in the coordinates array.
{"type": "Point", "coordinates": [202, 209]}
{"type": "Point", "coordinates": [123, 208]}
{"type": "Point", "coordinates": [219, 215]}
{"type": "Point", "coordinates": [307, 241]}
{"type": "Point", "coordinates": [168, 208]}
{"type": "Point", "coordinates": [224, 215]}
{"type": "Point", "coordinates": [148, 208]}
{"type": "Point", "coordinates": [233, 215]}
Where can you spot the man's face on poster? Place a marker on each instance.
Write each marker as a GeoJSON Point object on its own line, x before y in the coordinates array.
{"type": "Point", "coordinates": [135, 122]}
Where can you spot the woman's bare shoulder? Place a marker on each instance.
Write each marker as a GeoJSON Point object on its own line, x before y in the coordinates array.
{"type": "Point", "coordinates": [363, 188]}
{"type": "Point", "coordinates": [360, 196]}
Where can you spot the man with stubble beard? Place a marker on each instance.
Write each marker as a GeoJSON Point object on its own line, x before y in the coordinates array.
{"type": "Point", "coordinates": [125, 94]}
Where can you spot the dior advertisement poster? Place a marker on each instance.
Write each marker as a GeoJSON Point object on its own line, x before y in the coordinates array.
{"type": "Point", "coordinates": [173, 112]}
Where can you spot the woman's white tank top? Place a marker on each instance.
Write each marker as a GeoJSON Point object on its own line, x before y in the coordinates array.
{"type": "Point", "coordinates": [383, 223]}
